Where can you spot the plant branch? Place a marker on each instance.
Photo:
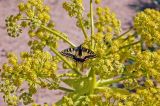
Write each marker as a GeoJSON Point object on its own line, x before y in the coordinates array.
{"type": "Point", "coordinates": [123, 34]}
{"type": "Point", "coordinates": [133, 35]}
{"type": "Point", "coordinates": [92, 23]}
{"type": "Point", "coordinates": [83, 29]}
{"type": "Point", "coordinates": [59, 34]}
{"type": "Point", "coordinates": [125, 47]}
{"type": "Point", "coordinates": [55, 32]}
{"type": "Point", "coordinates": [129, 45]}
{"type": "Point", "coordinates": [92, 78]}
{"type": "Point", "coordinates": [101, 83]}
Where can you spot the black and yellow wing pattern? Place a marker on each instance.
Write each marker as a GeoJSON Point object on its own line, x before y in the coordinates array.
{"type": "Point", "coordinates": [78, 54]}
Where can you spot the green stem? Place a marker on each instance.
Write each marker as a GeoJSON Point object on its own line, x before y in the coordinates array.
{"type": "Point", "coordinates": [55, 32]}
{"type": "Point", "coordinates": [123, 34]}
{"type": "Point", "coordinates": [92, 79]}
{"type": "Point", "coordinates": [92, 75]}
{"type": "Point", "coordinates": [83, 29]}
{"type": "Point", "coordinates": [133, 35]}
{"type": "Point", "coordinates": [66, 89]}
{"type": "Point", "coordinates": [92, 23]}
{"type": "Point", "coordinates": [101, 83]}
{"type": "Point", "coordinates": [130, 45]}
{"type": "Point", "coordinates": [65, 60]}
{"type": "Point", "coordinates": [125, 47]}
{"type": "Point", "coordinates": [59, 34]}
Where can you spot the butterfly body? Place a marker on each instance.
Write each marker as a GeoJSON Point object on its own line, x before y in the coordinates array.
{"type": "Point", "coordinates": [78, 54]}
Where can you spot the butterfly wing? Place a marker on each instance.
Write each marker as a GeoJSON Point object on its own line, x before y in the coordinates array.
{"type": "Point", "coordinates": [74, 57]}
{"type": "Point", "coordinates": [78, 54]}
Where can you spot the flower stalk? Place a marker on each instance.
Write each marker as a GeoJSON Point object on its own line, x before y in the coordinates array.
{"type": "Point", "coordinates": [123, 34]}
{"type": "Point", "coordinates": [132, 44]}
{"type": "Point", "coordinates": [59, 34]}
{"type": "Point", "coordinates": [83, 29]}
{"type": "Point", "coordinates": [102, 83]}
{"type": "Point", "coordinates": [92, 78]}
{"type": "Point", "coordinates": [92, 23]}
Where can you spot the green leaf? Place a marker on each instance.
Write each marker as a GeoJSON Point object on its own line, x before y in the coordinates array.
{"type": "Point", "coordinates": [81, 85]}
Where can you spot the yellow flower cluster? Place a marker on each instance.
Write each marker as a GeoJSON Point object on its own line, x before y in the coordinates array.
{"type": "Point", "coordinates": [13, 28]}
{"type": "Point", "coordinates": [147, 25]}
{"type": "Point", "coordinates": [123, 97]}
{"type": "Point", "coordinates": [33, 14]}
{"type": "Point", "coordinates": [44, 38]}
{"type": "Point", "coordinates": [74, 8]}
{"type": "Point", "coordinates": [146, 63]}
{"type": "Point", "coordinates": [108, 27]}
{"type": "Point", "coordinates": [35, 9]}
{"type": "Point", "coordinates": [107, 68]}
{"type": "Point", "coordinates": [107, 21]}
{"type": "Point", "coordinates": [37, 69]}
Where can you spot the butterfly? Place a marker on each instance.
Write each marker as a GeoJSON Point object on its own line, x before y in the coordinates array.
{"type": "Point", "coordinates": [78, 54]}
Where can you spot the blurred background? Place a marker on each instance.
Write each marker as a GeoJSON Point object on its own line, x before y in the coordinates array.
{"type": "Point", "coordinates": [124, 9]}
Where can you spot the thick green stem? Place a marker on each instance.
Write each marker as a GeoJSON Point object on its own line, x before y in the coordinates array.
{"type": "Point", "coordinates": [101, 83]}
{"type": "Point", "coordinates": [83, 29]}
{"type": "Point", "coordinates": [92, 79]}
{"type": "Point", "coordinates": [65, 60]}
{"type": "Point", "coordinates": [59, 34]}
{"type": "Point", "coordinates": [92, 23]}
{"type": "Point", "coordinates": [92, 75]}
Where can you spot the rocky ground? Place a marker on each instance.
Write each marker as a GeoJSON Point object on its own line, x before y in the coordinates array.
{"type": "Point", "coordinates": [63, 23]}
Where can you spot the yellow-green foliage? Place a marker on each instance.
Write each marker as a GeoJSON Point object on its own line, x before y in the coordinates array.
{"type": "Point", "coordinates": [120, 58]}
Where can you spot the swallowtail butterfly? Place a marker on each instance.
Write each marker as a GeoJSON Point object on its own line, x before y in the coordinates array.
{"type": "Point", "coordinates": [78, 54]}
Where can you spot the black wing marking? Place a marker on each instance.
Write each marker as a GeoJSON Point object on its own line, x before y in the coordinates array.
{"type": "Point", "coordinates": [67, 54]}
{"type": "Point", "coordinates": [87, 51]}
{"type": "Point", "coordinates": [74, 57]}
{"type": "Point", "coordinates": [69, 50]}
